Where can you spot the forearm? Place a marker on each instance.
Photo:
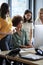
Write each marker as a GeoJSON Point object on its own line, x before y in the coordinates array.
{"type": "Point", "coordinates": [23, 46]}
{"type": "Point", "coordinates": [29, 45]}
{"type": "Point", "coordinates": [30, 34]}
{"type": "Point", "coordinates": [6, 33]}
{"type": "Point", "coordinates": [2, 33]}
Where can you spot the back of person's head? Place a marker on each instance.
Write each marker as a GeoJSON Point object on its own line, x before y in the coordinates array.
{"type": "Point", "coordinates": [16, 20]}
{"type": "Point", "coordinates": [26, 12]}
{"type": "Point", "coordinates": [4, 9]}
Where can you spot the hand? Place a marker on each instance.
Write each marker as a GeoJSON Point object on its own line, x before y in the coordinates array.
{"type": "Point", "coordinates": [10, 32]}
{"type": "Point", "coordinates": [23, 46]}
{"type": "Point", "coordinates": [29, 46]}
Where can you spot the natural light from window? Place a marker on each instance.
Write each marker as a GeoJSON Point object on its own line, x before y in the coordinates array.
{"type": "Point", "coordinates": [19, 6]}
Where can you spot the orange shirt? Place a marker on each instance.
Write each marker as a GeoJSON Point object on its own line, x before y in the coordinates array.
{"type": "Point", "coordinates": [5, 26]}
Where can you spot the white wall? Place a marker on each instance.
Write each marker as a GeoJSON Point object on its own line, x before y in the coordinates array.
{"type": "Point", "coordinates": [19, 6]}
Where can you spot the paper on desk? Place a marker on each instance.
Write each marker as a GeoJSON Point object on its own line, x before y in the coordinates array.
{"type": "Point", "coordinates": [25, 51]}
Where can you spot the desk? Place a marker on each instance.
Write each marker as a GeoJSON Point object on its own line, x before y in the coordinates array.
{"type": "Point", "coordinates": [16, 58]}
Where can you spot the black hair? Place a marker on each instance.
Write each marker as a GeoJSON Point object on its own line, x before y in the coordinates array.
{"type": "Point", "coordinates": [26, 12]}
{"type": "Point", "coordinates": [16, 20]}
{"type": "Point", "coordinates": [4, 9]}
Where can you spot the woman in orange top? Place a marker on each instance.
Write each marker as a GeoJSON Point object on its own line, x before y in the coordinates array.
{"type": "Point", "coordinates": [5, 27]}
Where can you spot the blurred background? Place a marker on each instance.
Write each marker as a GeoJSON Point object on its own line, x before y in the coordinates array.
{"type": "Point", "coordinates": [17, 7]}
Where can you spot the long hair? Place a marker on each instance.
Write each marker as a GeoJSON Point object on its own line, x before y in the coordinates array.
{"type": "Point", "coordinates": [26, 12]}
{"type": "Point", "coordinates": [4, 10]}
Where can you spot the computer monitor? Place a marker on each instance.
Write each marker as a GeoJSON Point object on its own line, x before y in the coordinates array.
{"type": "Point", "coordinates": [38, 36]}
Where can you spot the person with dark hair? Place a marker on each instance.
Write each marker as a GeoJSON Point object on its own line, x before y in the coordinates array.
{"type": "Point", "coordinates": [4, 10]}
{"type": "Point", "coordinates": [5, 28]}
{"type": "Point", "coordinates": [27, 16]}
{"type": "Point", "coordinates": [28, 24]}
{"type": "Point", "coordinates": [19, 38]}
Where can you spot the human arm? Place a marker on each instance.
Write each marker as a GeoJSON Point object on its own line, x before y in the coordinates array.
{"type": "Point", "coordinates": [27, 42]}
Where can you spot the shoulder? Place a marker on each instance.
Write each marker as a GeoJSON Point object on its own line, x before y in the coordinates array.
{"type": "Point", "coordinates": [37, 21]}
{"type": "Point", "coordinates": [3, 21]}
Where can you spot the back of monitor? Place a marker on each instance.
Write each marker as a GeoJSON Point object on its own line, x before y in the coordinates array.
{"type": "Point", "coordinates": [38, 36]}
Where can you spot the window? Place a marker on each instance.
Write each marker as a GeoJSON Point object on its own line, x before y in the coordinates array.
{"type": "Point", "coordinates": [2, 1]}
{"type": "Point", "coordinates": [19, 6]}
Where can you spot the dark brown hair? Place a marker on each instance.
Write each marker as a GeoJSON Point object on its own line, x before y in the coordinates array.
{"type": "Point", "coordinates": [16, 20]}
{"type": "Point", "coordinates": [26, 12]}
{"type": "Point", "coordinates": [4, 9]}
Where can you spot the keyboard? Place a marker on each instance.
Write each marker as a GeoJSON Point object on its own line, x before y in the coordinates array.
{"type": "Point", "coordinates": [32, 57]}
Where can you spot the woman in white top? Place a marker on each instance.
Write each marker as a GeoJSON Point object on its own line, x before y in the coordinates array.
{"type": "Point", "coordinates": [27, 25]}
{"type": "Point", "coordinates": [39, 19]}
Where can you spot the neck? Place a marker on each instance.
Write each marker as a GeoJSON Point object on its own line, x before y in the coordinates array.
{"type": "Point", "coordinates": [18, 31]}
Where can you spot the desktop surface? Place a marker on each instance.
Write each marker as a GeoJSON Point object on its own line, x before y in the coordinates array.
{"type": "Point", "coordinates": [31, 50]}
